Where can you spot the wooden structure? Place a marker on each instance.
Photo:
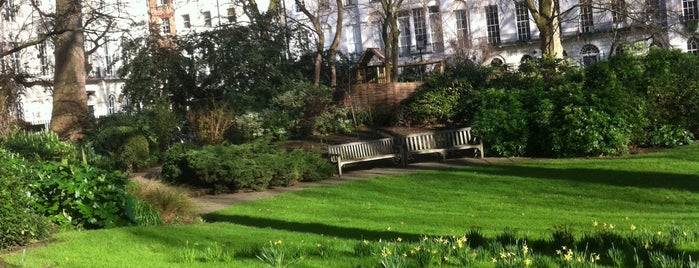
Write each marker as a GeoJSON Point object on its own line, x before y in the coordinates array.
{"type": "Point", "coordinates": [371, 67]}
{"type": "Point", "coordinates": [363, 151]}
{"type": "Point", "coordinates": [441, 142]}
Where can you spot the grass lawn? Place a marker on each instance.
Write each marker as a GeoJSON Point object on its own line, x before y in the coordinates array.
{"type": "Point", "coordinates": [655, 192]}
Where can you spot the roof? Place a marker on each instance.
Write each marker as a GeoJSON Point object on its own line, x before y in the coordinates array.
{"type": "Point", "coordinates": [371, 57]}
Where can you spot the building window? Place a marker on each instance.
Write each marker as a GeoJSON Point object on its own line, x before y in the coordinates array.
{"type": "Point", "coordinates": [111, 104]}
{"type": "Point", "coordinates": [231, 15]}
{"type": "Point", "coordinates": [619, 11]}
{"type": "Point", "coordinates": [10, 10]}
{"type": "Point", "coordinates": [353, 38]}
{"type": "Point", "coordinates": [43, 59]}
{"type": "Point", "coordinates": [493, 24]}
{"type": "Point", "coordinates": [589, 54]}
{"type": "Point", "coordinates": [689, 9]}
{"type": "Point", "coordinates": [522, 14]}
{"type": "Point", "coordinates": [377, 34]}
{"type": "Point", "coordinates": [586, 22]}
{"type": "Point", "coordinates": [350, 2]}
{"type": "Point", "coordinates": [405, 38]}
{"type": "Point", "coordinates": [207, 18]}
{"type": "Point", "coordinates": [693, 46]}
{"type": "Point", "coordinates": [185, 20]}
{"type": "Point", "coordinates": [298, 5]}
{"type": "Point", "coordinates": [420, 29]}
{"type": "Point", "coordinates": [165, 26]}
{"type": "Point", "coordinates": [14, 57]}
{"type": "Point", "coordinates": [654, 9]}
{"type": "Point", "coordinates": [462, 33]}
{"type": "Point", "coordinates": [436, 37]}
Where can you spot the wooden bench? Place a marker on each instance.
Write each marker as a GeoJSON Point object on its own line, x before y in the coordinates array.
{"type": "Point", "coordinates": [354, 152]}
{"type": "Point", "coordinates": [441, 142]}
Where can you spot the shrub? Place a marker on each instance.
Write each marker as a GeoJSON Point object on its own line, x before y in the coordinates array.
{"type": "Point", "coordinates": [79, 195]}
{"type": "Point", "coordinates": [20, 223]}
{"type": "Point", "coordinates": [41, 146]}
{"type": "Point", "coordinates": [670, 136]}
{"type": "Point", "coordinates": [126, 146]}
{"type": "Point", "coordinates": [586, 131]}
{"type": "Point", "coordinates": [211, 122]}
{"type": "Point", "coordinates": [163, 203]}
{"type": "Point", "coordinates": [437, 102]}
{"type": "Point", "coordinates": [502, 122]}
{"type": "Point", "coordinates": [255, 165]}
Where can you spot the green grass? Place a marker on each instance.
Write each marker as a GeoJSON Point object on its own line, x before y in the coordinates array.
{"type": "Point", "coordinates": [654, 192]}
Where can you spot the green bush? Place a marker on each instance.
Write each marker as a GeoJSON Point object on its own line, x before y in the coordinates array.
{"type": "Point", "coordinates": [40, 146]}
{"type": "Point", "coordinates": [126, 146]}
{"type": "Point", "coordinates": [20, 223]}
{"type": "Point", "coordinates": [502, 122]}
{"type": "Point", "coordinates": [670, 136]}
{"type": "Point", "coordinates": [79, 195]}
{"type": "Point", "coordinates": [438, 102]}
{"type": "Point", "coordinates": [255, 165]}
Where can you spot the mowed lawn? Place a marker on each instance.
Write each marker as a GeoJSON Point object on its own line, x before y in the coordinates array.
{"type": "Point", "coordinates": [655, 192]}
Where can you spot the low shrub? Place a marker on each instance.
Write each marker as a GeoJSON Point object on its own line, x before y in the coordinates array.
{"type": "Point", "coordinates": [20, 223]}
{"type": "Point", "coordinates": [40, 146]}
{"type": "Point", "coordinates": [256, 165]}
{"type": "Point", "coordinates": [670, 136]}
{"type": "Point", "coordinates": [79, 195]}
{"type": "Point", "coordinates": [162, 203]}
{"type": "Point", "coordinates": [127, 147]}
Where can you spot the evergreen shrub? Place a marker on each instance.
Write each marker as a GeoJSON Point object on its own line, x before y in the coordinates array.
{"type": "Point", "coordinates": [20, 222]}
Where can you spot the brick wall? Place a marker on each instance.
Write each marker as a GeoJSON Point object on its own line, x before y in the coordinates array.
{"type": "Point", "coordinates": [364, 96]}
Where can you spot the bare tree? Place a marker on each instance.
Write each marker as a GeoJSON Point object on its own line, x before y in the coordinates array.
{"type": "Point", "coordinates": [390, 34]}
{"type": "Point", "coordinates": [335, 43]}
{"type": "Point", "coordinates": [313, 14]}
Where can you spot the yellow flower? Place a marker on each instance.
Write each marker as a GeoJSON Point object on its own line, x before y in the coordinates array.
{"type": "Point", "coordinates": [494, 260]}
{"type": "Point", "coordinates": [594, 224]}
{"type": "Point", "coordinates": [278, 243]}
{"type": "Point", "coordinates": [611, 226]}
{"type": "Point", "coordinates": [558, 252]}
{"type": "Point", "coordinates": [319, 245]}
{"type": "Point", "coordinates": [525, 249]}
{"type": "Point", "coordinates": [366, 242]}
{"type": "Point", "coordinates": [633, 227]}
{"type": "Point", "coordinates": [660, 233]}
{"type": "Point", "coordinates": [399, 239]}
{"type": "Point", "coordinates": [579, 259]}
{"type": "Point", "coordinates": [527, 262]}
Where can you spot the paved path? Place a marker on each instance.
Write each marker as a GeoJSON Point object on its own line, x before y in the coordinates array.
{"type": "Point", "coordinates": [211, 203]}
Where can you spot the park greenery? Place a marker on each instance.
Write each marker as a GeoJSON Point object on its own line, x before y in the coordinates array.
{"type": "Point", "coordinates": [632, 211]}
{"type": "Point", "coordinates": [215, 116]}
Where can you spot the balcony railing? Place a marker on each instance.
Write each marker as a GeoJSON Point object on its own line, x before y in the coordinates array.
{"type": "Point", "coordinates": [406, 51]}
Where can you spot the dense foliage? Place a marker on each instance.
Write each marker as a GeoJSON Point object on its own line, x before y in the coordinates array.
{"type": "Point", "coordinates": [552, 108]}
{"type": "Point", "coordinates": [19, 220]}
{"type": "Point", "coordinates": [258, 165]}
{"type": "Point", "coordinates": [79, 195]}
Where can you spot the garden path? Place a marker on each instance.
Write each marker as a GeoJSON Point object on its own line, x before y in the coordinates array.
{"type": "Point", "coordinates": [208, 203]}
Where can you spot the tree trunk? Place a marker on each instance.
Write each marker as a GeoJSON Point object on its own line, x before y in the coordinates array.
{"type": "Point", "coordinates": [546, 17]}
{"type": "Point", "coordinates": [335, 44]}
{"type": "Point", "coordinates": [550, 39]}
{"type": "Point", "coordinates": [70, 112]}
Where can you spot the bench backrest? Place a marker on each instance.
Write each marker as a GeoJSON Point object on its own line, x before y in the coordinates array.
{"type": "Point", "coordinates": [362, 149]}
{"type": "Point", "coordinates": [438, 139]}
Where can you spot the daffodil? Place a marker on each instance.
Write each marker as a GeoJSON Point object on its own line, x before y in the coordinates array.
{"type": "Point", "coordinates": [527, 262]}
{"type": "Point", "coordinates": [633, 227]}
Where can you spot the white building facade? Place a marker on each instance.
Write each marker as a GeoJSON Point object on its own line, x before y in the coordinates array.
{"type": "Point", "coordinates": [21, 23]}
{"type": "Point", "coordinates": [503, 31]}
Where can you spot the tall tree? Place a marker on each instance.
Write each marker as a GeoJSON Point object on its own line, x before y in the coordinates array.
{"type": "Point", "coordinates": [390, 34]}
{"type": "Point", "coordinates": [545, 14]}
{"type": "Point", "coordinates": [313, 15]}
{"type": "Point", "coordinates": [336, 42]}
{"type": "Point", "coordinates": [70, 113]}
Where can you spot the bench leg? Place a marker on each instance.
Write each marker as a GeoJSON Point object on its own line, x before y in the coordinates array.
{"type": "Point", "coordinates": [339, 168]}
